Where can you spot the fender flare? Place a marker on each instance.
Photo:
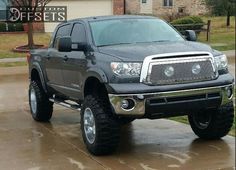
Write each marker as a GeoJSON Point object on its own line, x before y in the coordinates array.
{"type": "Point", "coordinates": [37, 66]}
{"type": "Point", "coordinates": [95, 73]}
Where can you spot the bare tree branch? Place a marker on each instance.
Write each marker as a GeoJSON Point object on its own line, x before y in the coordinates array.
{"type": "Point", "coordinates": [17, 3]}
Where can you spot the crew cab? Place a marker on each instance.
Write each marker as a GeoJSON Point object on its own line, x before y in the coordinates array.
{"type": "Point", "coordinates": [115, 69]}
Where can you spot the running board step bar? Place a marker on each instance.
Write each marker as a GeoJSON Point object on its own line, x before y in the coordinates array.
{"type": "Point", "coordinates": [76, 107]}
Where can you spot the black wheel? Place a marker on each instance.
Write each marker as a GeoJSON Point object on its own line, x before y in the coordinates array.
{"type": "Point", "coordinates": [40, 106]}
{"type": "Point", "coordinates": [100, 130]}
{"type": "Point", "coordinates": [125, 120]}
{"type": "Point", "coordinates": [213, 124]}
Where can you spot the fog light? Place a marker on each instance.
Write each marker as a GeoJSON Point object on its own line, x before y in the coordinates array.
{"type": "Point", "coordinates": [229, 92]}
{"type": "Point", "coordinates": [169, 71]}
{"type": "Point", "coordinates": [127, 104]}
{"type": "Point", "coordinates": [196, 69]}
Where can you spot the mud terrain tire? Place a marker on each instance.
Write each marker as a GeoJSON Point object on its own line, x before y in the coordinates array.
{"type": "Point", "coordinates": [105, 138]}
{"type": "Point", "coordinates": [40, 106]}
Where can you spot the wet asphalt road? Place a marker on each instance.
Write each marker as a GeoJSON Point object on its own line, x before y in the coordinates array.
{"type": "Point", "coordinates": [145, 144]}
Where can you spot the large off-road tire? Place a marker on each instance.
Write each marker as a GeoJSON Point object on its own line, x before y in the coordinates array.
{"type": "Point", "coordinates": [40, 106]}
{"type": "Point", "coordinates": [100, 129]}
{"type": "Point", "coordinates": [213, 124]}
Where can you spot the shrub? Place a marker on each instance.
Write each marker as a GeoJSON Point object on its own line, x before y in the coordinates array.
{"type": "Point", "coordinates": [197, 20]}
{"type": "Point", "coordinates": [195, 23]}
{"type": "Point", "coordinates": [2, 27]}
{"type": "Point", "coordinates": [12, 27]}
{"type": "Point", "coordinates": [185, 20]}
{"type": "Point", "coordinates": [19, 27]}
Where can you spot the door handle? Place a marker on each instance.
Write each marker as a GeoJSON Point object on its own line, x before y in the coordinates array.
{"type": "Point", "coordinates": [65, 58]}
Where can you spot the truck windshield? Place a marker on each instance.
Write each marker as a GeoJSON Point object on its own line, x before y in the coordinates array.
{"type": "Point", "coordinates": [132, 31]}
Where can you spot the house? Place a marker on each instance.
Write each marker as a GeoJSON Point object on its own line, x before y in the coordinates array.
{"type": "Point", "coordinates": [86, 8]}
{"type": "Point", "coordinates": [162, 8]}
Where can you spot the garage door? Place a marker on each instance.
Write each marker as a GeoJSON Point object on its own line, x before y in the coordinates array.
{"type": "Point", "coordinates": [82, 8]}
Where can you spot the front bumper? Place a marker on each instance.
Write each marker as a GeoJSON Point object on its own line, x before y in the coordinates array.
{"type": "Point", "coordinates": [151, 104]}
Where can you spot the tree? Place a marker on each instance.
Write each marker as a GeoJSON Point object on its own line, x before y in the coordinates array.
{"type": "Point", "coordinates": [222, 8]}
{"type": "Point", "coordinates": [34, 4]}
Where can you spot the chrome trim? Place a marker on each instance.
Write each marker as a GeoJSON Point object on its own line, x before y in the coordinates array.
{"type": "Point", "coordinates": [139, 110]}
{"type": "Point", "coordinates": [149, 62]}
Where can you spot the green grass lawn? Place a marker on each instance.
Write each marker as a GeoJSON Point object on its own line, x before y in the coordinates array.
{"type": "Point", "coordinates": [10, 41]}
{"type": "Point", "coordinates": [222, 38]}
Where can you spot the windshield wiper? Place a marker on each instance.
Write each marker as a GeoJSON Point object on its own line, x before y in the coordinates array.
{"type": "Point", "coordinates": [133, 43]}
{"type": "Point", "coordinates": [153, 41]}
{"type": "Point", "coordinates": [112, 44]}
{"type": "Point", "coordinates": [161, 41]}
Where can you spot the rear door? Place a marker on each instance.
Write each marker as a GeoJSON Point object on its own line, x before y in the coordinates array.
{"type": "Point", "coordinates": [55, 60]}
{"type": "Point", "coordinates": [75, 64]}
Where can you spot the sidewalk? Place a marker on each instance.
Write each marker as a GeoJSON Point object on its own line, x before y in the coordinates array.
{"type": "Point", "coordinates": [10, 60]}
{"type": "Point", "coordinates": [7, 71]}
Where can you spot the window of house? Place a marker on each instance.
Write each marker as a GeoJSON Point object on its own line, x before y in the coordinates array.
{"type": "Point", "coordinates": [144, 1]}
{"type": "Point", "coordinates": [168, 3]}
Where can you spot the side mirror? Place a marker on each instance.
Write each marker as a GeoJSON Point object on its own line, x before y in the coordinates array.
{"type": "Point", "coordinates": [190, 35]}
{"type": "Point", "coordinates": [64, 44]}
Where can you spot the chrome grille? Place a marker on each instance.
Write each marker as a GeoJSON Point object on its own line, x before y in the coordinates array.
{"type": "Point", "coordinates": [182, 68]}
{"type": "Point", "coordinates": [182, 73]}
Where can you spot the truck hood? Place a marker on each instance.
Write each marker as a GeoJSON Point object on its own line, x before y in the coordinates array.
{"type": "Point", "coordinates": [137, 52]}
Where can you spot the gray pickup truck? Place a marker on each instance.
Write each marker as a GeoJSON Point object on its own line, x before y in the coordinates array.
{"type": "Point", "coordinates": [116, 69]}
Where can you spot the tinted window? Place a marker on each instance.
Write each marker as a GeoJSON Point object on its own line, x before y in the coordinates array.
{"type": "Point", "coordinates": [78, 34]}
{"type": "Point", "coordinates": [61, 32]}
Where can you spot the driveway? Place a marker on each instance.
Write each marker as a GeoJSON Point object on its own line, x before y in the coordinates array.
{"type": "Point", "coordinates": [145, 144]}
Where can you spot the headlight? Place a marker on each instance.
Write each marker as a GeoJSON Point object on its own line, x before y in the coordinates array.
{"type": "Point", "coordinates": [221, 62]}
{"type": "Point", "coordinates": [126, 69]}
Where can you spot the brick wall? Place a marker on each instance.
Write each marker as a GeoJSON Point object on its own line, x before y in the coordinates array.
{"type": "Point", "coordinates": [132, 6]}
{"type": "Point", "coordinates": [118, 7]}
{"type": "Point", "coordinates": [192, 7]}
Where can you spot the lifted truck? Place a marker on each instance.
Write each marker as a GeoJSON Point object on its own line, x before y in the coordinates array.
{"type": "Point", "coordinates": [116, 69]}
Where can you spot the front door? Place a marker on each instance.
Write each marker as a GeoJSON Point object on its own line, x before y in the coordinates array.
{"type": "Point", "coordinates": [54, 60]}
{"type": "Point", "coordinates": [75, 64]}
